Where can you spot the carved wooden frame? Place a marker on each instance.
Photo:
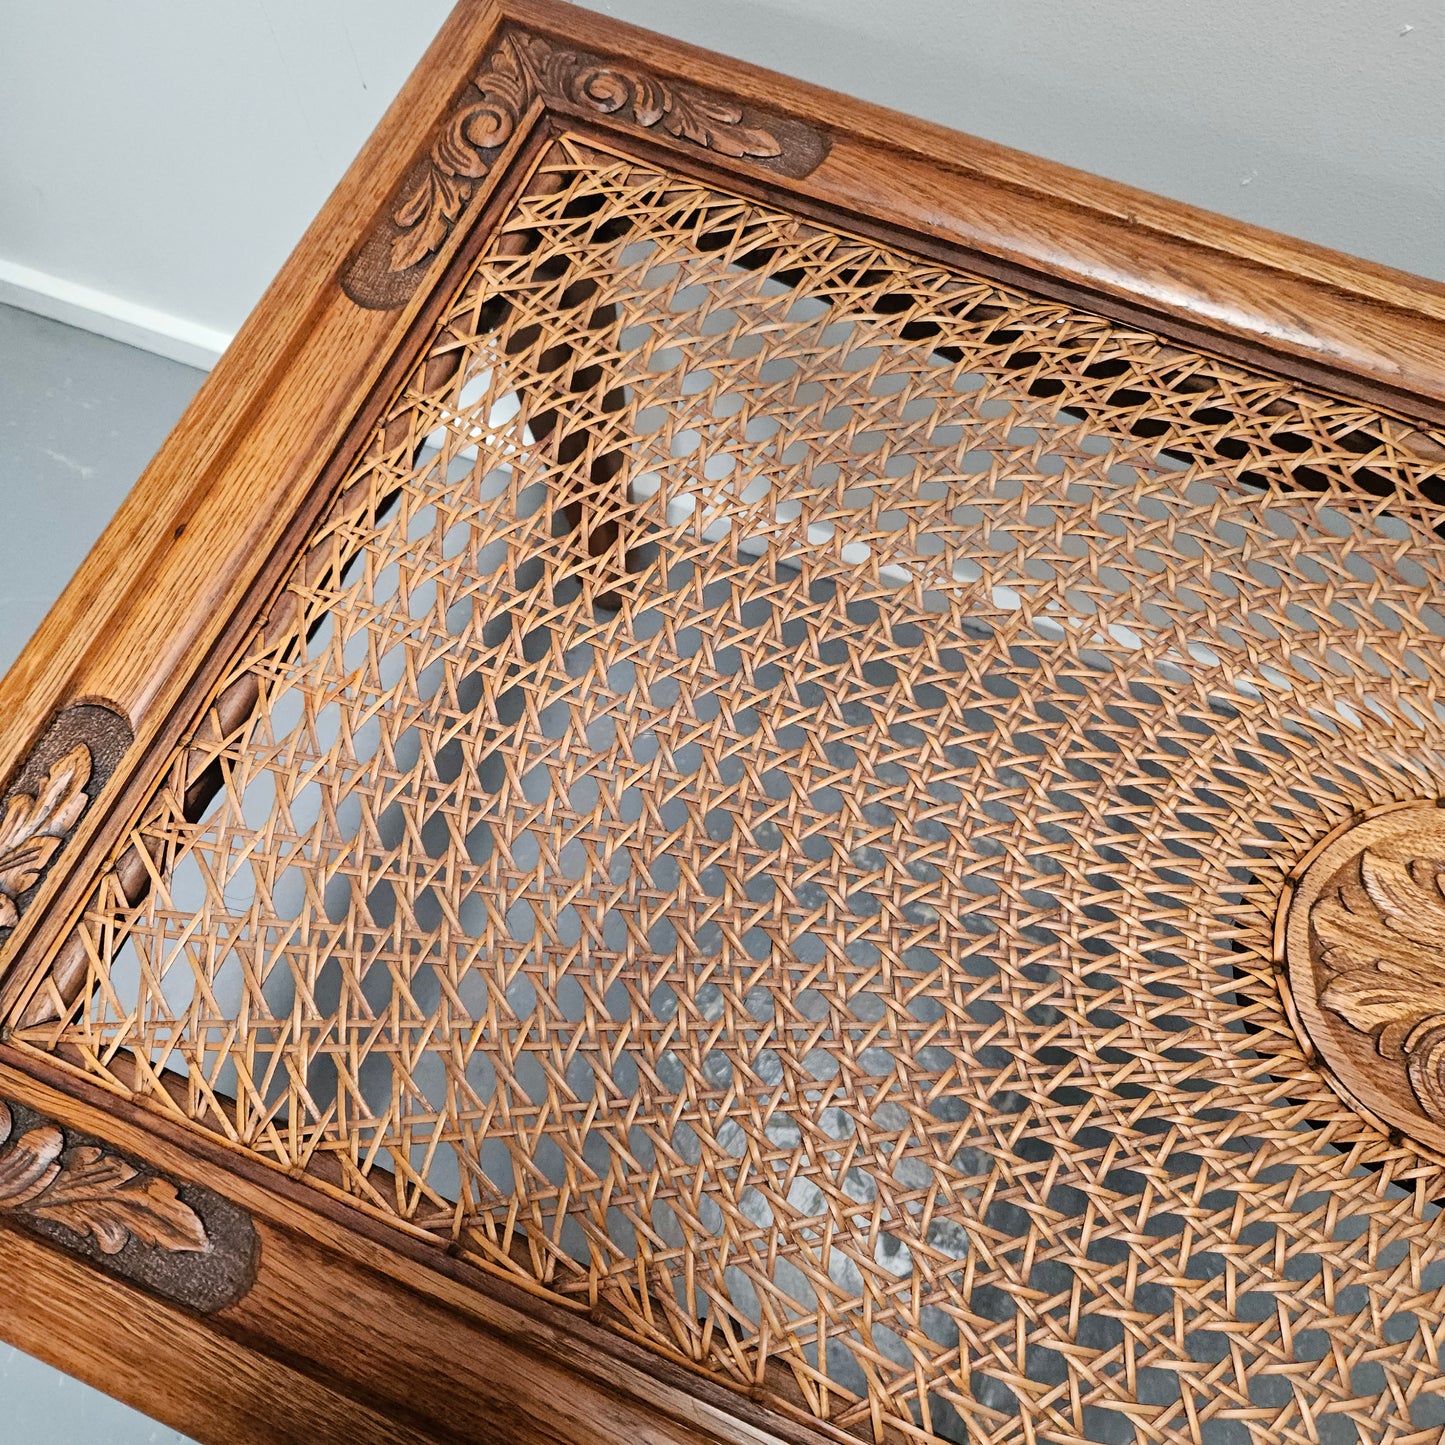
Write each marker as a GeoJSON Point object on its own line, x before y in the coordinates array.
{"type": "Point", "coordinates": [313, 1322]}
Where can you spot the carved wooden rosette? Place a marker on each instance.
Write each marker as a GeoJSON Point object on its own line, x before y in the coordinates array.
{"type": "Point", "coordinates": [524, 68]}
{"type": "Point", "coordinates": [183, 1242]}
{"type": "Point", "coordinates": [1363, 935]}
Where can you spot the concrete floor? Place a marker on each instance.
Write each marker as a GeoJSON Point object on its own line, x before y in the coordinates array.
{"type": "Point", "coordinates": [80, 417]}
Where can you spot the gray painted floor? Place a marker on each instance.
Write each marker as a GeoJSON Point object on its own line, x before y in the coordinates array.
{"type": "Point", "coordinates": [79, 418]}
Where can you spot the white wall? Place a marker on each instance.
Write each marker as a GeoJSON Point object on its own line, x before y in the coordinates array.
{"type": "Point", "coordinates": [166, 154]}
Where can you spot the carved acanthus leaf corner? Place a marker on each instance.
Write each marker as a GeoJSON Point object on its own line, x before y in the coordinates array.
{"type": "Point", "coordinates": [524, 67]}
{"type": "Point", "coordinates": [429, 208]}
{"type": "Point", "coordinates": [92, 1192]}
{"type": "Point", "coordinates": [521, 69]}
{"type": "Point", "coordinates": [34, 826]}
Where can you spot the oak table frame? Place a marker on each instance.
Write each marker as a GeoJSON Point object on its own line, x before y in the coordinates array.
{"type": "Point", "coordinates": [348, 1330]}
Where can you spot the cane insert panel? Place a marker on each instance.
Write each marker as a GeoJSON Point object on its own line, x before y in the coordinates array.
{"type": "Point", "coordinates": [761, 810]}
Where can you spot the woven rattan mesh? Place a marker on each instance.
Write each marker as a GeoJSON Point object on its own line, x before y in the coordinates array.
{"type": "Point", "coordinates": [761, 818]}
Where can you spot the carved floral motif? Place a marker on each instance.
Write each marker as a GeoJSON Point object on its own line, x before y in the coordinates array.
{"type": "Point", "coordinates": [1380, 946]}
{"type": "Point", "coordinates": [92, 1192]}
{"type": "Point", "coordinates": [34, 826]}
{"type": "Point", "coordinates": [526, 67]}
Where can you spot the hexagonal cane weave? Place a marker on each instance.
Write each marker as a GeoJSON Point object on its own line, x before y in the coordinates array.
{"type": "Point", "coordinates": [759, 811]}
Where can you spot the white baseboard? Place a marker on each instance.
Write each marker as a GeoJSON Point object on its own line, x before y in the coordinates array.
{"type": "Point", "coordinates": [112, 316]}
